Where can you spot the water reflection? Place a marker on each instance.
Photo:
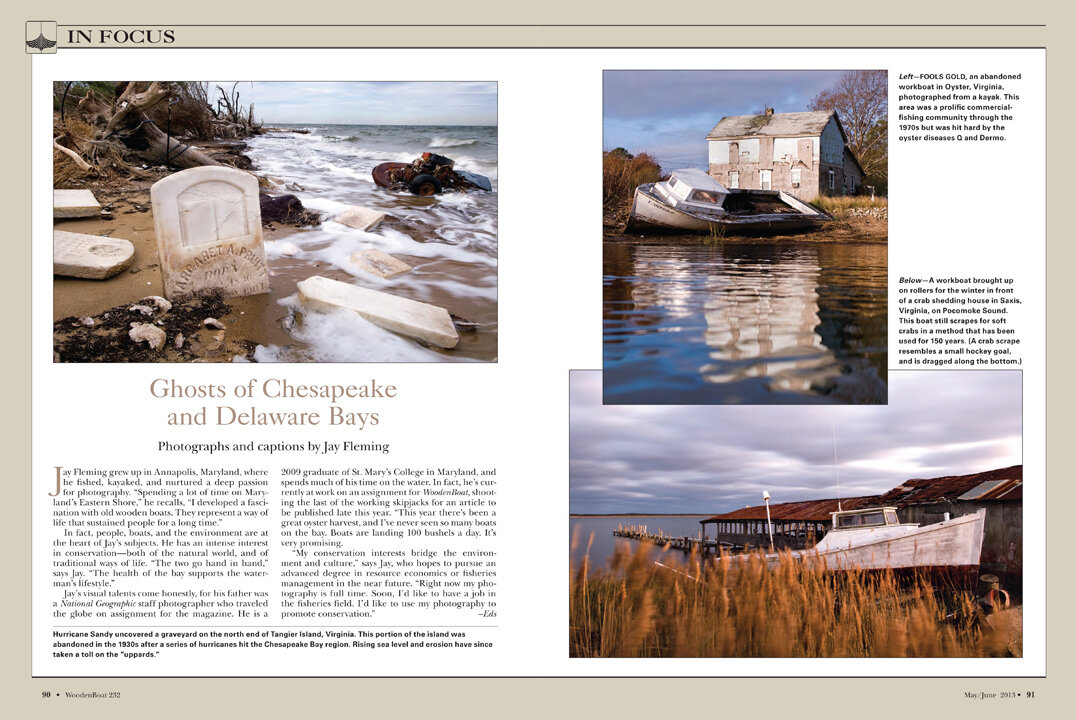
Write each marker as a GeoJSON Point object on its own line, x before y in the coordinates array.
{"type": "Point", "coordinates": [789, 323]}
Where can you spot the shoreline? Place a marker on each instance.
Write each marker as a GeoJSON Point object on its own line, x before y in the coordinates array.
{"type": "Point", "coordinates": [267, 327]}
{"type": "Point", "coordinates": [130, 217]}
{"type": "Point", "coordinates": [850, 230]}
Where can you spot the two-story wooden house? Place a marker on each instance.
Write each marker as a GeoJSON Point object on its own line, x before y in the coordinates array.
{"type": "Point", "coordinates": [803, 153]}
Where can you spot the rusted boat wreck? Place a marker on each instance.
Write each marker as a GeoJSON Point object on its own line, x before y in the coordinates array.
{"type": "Point", "coordinates": [692, 201]}
{"type": "Point", "coordinates": [428, 174]}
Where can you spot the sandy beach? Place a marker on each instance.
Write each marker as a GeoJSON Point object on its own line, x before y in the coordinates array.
{"type": "Point", "coordinates": [245, 320]}
{"type": "Point", "coordinates": [448, 240]}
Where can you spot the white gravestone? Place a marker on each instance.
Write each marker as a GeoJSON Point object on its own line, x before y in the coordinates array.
{"type": "Point", "coordinates": [74, 204]}
{"type": "Point", "coordinates": [360, 217]}
{"type": "Point", "coordinates": [378, 263]}
{"type": "Point", "coordinates": [89, 256]}
{"type": "Point", "coordinates": [429, 323]}
{"type": "Point", "coordinates": [209, 233]}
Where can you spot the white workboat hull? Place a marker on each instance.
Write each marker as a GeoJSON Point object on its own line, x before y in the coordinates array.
{"type": "Point", "coordinates": [648, 211]}
{"type": "Point", "coordinates": [953, 544]}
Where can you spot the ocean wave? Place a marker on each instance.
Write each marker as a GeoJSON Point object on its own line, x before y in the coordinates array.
{"type": "Point", "coordinates": [450, 142]}
{"type": "Point", "coordinates": [376, 156]}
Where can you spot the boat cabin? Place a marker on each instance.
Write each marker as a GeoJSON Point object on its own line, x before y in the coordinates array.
{"type": "Point", "coordinates": [692, 190]}
{"type": "Point", "coordinates": [866, 517]}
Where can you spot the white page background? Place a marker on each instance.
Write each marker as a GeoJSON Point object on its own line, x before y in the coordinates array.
{"type": "Point", "coordinates": [951, 212]}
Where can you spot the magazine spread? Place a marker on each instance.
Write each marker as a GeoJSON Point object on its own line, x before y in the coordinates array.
{"type": "Point", "coordinates": [348, 345]}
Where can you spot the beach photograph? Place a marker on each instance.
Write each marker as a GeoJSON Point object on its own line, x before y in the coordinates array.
{"type": "Point", "coordinates": [745, 237]}
{"type": "Point", "coordinates": [764, 531]}
{"type": "Point", "coordinates": [225, 221]}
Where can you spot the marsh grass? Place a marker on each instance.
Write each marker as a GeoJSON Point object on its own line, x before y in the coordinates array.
{"type": "Point", "coordinates": [715, 235]}
{"type": "Point", "coordinates": [623, 172]}
{"type": "Point", "coordinates": [733, 608]}
{"type": "Point", "coordinates": [843, 205]}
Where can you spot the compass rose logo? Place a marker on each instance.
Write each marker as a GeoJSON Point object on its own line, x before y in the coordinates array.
{"type": "Point", "coordinates": [40, 37]}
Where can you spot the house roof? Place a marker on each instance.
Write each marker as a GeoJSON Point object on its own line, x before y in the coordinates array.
{"type": "Point", "coordinates": [1001, 484]}
{"type": "Point", "coordinates": [807, 510]}
{"type": "Point", "coordinates": [1010, 489]}
{"type": "Point", "coordinates": [776, 125]}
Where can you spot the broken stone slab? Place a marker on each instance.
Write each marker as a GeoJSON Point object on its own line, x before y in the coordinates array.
{"type": "Point", "coordinates": [209, 233]}
{"type": "Point", "coordinates": [74, 204]}
{"type": "Point", "coordinates": [429, 323]}
{"type": "Point", "coordinates": [89, 256]}
{"type": "Point", "coordinates": [360, 218]}
{"type": "Point", "coordinates": [378, 263]}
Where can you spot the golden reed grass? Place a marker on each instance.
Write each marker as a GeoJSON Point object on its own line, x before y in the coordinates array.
{"type": "Point", "coordinates": [743, 608]}
{"type": "Point", "coordinates": [622, 173]}
{"type": "Point", "coordinates": [840, 205]}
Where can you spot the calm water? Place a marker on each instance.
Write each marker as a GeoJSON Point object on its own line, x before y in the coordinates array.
{"type": "Point", "coordinates": [604, 542]}
{"type": "Point", "coordinates": [450, 239]}
{"type": "Point", "coordinates": [745, 323]}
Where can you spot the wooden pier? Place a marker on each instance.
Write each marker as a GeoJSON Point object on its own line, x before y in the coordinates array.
{"type": "Point", "coordinates": [685, 543]}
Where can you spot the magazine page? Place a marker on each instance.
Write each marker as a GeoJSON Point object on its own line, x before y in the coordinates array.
{"type": "Point", "coordinates": [349, 342]}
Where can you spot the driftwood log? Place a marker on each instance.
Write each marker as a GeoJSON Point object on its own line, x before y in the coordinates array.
{"type": "Point", "coordinates": [124, 122]}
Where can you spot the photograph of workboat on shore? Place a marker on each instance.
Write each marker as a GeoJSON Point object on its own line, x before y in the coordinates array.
{"type": "Point", "coordinates": [275, 222]}
{"type": "Point", "coordinates": [800, 532]}
{"type": "Point", "coordinates": [745, 239]}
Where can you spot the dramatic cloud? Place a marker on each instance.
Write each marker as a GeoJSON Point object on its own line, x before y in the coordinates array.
{"type": "Point", "coordinates": [669, 112]}
{"type": "Point", "coordinates": [370, 103]}
{"type": "Point", "coordinates": [710, 459]}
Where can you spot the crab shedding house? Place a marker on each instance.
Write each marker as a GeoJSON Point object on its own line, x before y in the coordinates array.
{"type": "Point", "coordinates": [798, 525]}
{"type": "Point", "coordinates": [805, 154]}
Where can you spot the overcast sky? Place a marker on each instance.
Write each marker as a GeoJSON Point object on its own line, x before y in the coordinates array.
{"type": "Point", "coordinates": [712, 459]}
{"type": "Point", "coordinates": [668, 113]}
{"type": "Point", "coordinates": [369, 103]}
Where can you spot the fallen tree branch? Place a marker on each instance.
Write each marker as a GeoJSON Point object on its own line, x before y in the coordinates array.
{"type": "Point", "coordinates": [83, 165]}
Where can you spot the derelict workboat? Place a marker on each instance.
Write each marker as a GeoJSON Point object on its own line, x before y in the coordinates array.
{"type": "Point", "coordinates": [692, 201]}
{"type": "Point", "coordinates": [874, 539]}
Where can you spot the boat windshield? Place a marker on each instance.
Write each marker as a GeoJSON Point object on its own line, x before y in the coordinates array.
{"type": "Point", "coordinates": [876, 517]}
{"type": "Point", "coordinates": [705, 196]}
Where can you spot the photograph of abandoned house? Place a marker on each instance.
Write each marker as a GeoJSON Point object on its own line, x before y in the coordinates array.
{"type": "Point", "coordinates": [746, 224]}
{"type": "Point", "coordinates": [805, 154]}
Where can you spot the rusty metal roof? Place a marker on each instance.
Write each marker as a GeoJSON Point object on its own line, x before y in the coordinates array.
{"type": "Point", "coordinates": [807, 510]}
{"type": "Point", "coordinates": [1007, 489]}
{"type": "Point", "coordinates": [1001, 484]}
{"type": "Point", "coordinates": [776, 125]}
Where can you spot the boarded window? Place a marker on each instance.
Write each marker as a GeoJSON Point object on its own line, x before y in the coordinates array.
{"type": "Point", "coordinates": [832, 176]}
{"type": "Point", "coordinates": [795, 177]}
{"type": "Point", "coordinates": [764, 179]}
{"type": "Point", "coordinates": [734, 179]}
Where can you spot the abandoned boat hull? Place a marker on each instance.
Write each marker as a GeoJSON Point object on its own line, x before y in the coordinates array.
{"type": "Point", "coordinates": [649, 212]}
{"type": "Point", "coordinates": [951, 545]}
